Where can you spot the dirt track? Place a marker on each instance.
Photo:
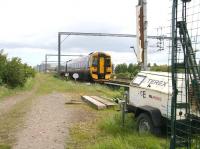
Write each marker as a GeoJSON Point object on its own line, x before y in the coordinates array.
{"type": "Point", "coordinates": [11, 101]}
{"type": "Point", "coordinates": [46, 125]}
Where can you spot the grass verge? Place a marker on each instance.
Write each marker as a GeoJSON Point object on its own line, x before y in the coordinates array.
{"type": "Point", "coordinates": [108, 133]}
{"type": "Point", "coordinates": [5, 147]}
{"type": "Point", "coordinates": [5, 91]}
{"type": "Point", "coordinates": [53, 84]}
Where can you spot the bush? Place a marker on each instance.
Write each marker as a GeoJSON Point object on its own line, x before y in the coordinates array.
{"type": "Point", "coordinates": [127, 72]}
{"type": "Point", "coordinates": [121, 68]}
{"type": "Point", "coordinates": [3, 61]}
{"type": "Point", "coordinates": [123, 75]}
{"type": "Point", "coordinates": [13, 72]}
{"type": "Point", "coordinates": [29, 71]}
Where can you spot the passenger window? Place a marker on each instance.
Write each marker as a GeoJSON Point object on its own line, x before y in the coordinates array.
{"type": "Point", "coordinates": [95, 62]}
{"type": "Point", "coordinates": [107, 62]}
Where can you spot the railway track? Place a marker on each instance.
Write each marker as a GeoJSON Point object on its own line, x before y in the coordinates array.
{"type": "Point", "coordinates": [119, 82]}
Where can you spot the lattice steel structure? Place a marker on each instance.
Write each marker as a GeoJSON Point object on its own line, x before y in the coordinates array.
{"type": "Point", "coordinates": [67, 34]}
{"type": "Point", "coordinates": [185, 101]}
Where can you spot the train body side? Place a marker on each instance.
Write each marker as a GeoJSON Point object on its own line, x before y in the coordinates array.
{"type": "Point", "coordinates": [96, 66]}
{"type": "Point", "coordinates": [80, 66]}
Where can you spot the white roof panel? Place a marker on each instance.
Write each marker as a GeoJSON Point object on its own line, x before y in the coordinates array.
{"type": "Point", "coordinates": [159, 81]}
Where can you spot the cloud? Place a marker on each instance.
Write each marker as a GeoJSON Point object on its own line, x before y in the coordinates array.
{"type": "Point", "coordinates": [98, 43]}
{"type": "Point", "coordinates": [30, 28]}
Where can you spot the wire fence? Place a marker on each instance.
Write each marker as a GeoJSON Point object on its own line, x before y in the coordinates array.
{"type": "Point", "coordinates": [184, 55]}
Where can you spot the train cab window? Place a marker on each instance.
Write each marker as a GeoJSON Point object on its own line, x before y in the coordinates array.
{"type": "Point", "coordinates": [107, 62]}
{"type": "Point", "coordinates": [95, 62]}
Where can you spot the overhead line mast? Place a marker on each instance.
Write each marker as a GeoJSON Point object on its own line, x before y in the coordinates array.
{"type": "Point", "coordinates": [141, 33]}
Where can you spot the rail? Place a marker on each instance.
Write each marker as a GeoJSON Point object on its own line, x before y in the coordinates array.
{"type": "Point", "coordinates": [120, 83]}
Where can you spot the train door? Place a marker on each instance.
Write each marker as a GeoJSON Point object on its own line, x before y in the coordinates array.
{"type": "Point", "coordinates": [101, 66]}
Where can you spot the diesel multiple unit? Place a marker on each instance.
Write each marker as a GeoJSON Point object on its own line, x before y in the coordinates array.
{"type": "Point", "coordinates": [96, 66]}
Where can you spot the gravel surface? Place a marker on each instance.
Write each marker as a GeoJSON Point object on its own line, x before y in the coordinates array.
{"type": "Point", "coordinates": [46, 125]}
{"type": "Point", "coordinates": [9, 102]}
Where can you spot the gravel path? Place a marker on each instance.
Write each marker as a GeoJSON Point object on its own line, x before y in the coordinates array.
{"type": "Point", "coordinates": [46, 125]}
{"type": "Point", "coordinates": [9, 102]}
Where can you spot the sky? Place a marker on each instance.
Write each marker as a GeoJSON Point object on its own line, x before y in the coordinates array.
{"type": "Point", "coordinates": [29, 28]}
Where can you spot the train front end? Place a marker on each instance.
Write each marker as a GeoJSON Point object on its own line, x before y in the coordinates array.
{"type": "Point", "coordinates": [100, 66]}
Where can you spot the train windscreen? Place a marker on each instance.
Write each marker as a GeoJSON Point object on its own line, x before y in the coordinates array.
{"type": "Point", "coordinates": [95, 62]}
{"type": "Point", "coordinates": [107, 62]}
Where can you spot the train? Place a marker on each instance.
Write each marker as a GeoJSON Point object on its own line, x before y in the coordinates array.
{"type": "Point", "coordinates": [97, 66]}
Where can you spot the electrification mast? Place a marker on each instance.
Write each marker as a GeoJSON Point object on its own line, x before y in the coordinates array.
{"type": "Point", "coordinates": [141, 33]}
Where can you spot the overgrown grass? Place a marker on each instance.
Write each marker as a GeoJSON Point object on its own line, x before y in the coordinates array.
{"type": "Point", "coordinates": [5, 91]}
{"type": "Point", "coordinates": [53, 84]}
{"type": "Point", "coordinates": [5, 146]}
{"type": "Point", "coordinates": [108, 133]}
{"type": "Point", "coordinates": [126, 137]}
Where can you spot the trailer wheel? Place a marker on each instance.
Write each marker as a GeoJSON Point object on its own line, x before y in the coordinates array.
{"type": "Point", "coordinates": [144, 124]}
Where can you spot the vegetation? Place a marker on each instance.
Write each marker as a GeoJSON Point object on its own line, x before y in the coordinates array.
{"type": "Point", "coordinates": [124, 71]}
{"type": "Point", "coordinates": [104, 133]}
{"type": "Point", "coordinates": [42, 84]}
{"type": "Point", "coordinates": [100, 132]}
{"type": "Point", "coordinates": [121, 68]}
{"type": "Point", "coordinates": [161, 68]}
{"type": "Point", "coordinates": [5, 91]}
{"type": "Point", "coordinates": [13, 72]}
{"type": "Point", "coordinates": [80, 88]}
{"type": "Point", "coordinates": [3, 62]}
{"type": "Point", "coordinates": [5, 147]}
{"type": "Point", "coordinates": [13, 119]}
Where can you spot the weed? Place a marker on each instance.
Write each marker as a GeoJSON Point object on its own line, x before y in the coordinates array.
{"type": "Point", "coordinates": [6, 91]}
{"type": "Point", "coordinates": [54, 84]}
{"type": "Point", "coordinates": [3, 146]}
{"type": "Point", "coordinates": [108, 133]}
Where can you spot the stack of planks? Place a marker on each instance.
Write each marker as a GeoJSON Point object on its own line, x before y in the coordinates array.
{"type": "Point", "coordinates": [98, 102]}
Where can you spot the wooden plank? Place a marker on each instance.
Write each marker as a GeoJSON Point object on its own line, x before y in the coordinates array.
{"type": "Point", "coordinates": [104, 101]}
{"type": "Point", "coordinates": [98, 105]}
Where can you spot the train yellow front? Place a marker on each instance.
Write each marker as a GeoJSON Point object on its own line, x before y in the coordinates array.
{"type": "Point", "coordinates": [96, 66]}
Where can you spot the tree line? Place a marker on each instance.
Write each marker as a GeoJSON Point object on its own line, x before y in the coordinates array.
{"type": "Point", "coordinates": [13, 72]}
{"type": "Point", "coordinates": [131, 70]}
{"type": "Point", "coordinates": [127, 71]}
